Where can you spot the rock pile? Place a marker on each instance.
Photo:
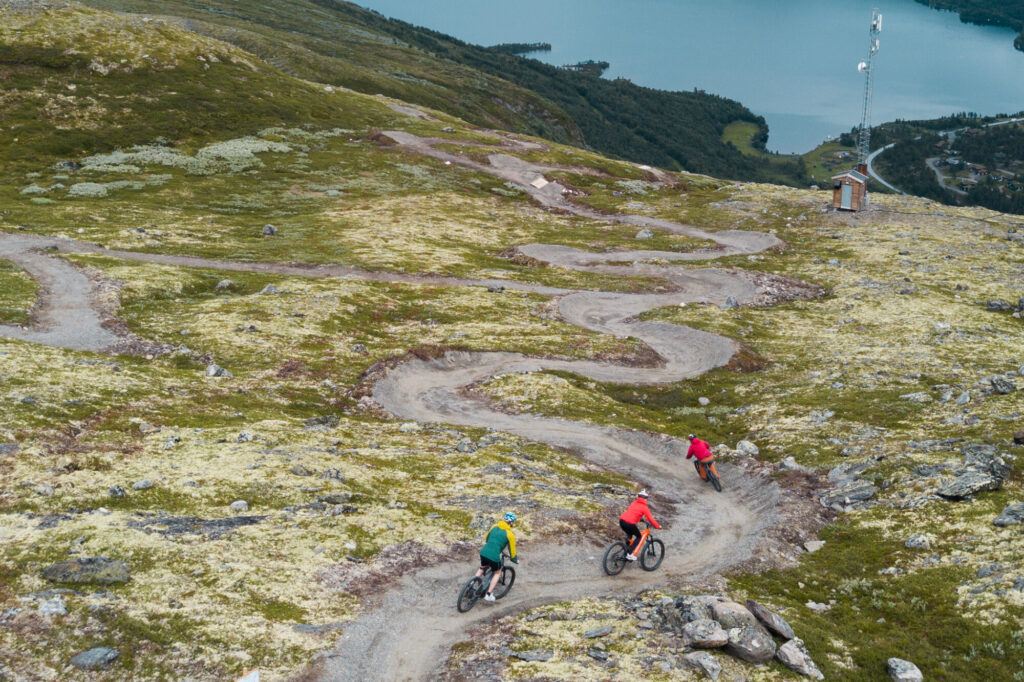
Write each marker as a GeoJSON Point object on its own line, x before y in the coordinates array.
{"type": "Point", "coordinates": [746, 632]}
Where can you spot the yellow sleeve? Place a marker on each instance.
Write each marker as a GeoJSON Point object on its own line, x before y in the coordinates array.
{"type": "Point", "coordinates": [511, 544]}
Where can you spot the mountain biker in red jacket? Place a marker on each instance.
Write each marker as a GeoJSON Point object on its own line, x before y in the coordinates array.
{"type": "Point", "coordinates": [701, 452]}
{"type": "Point", "coordinates": [627, 522]}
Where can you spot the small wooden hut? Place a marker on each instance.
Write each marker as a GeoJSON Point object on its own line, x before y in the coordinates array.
{"type": "Point", "coordinates": [850, 190]}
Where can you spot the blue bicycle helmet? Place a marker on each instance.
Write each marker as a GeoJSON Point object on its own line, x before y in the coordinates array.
{"type": "Point", "coordinates": [510, 517]}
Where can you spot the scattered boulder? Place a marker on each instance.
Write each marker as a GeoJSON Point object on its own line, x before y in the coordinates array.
{"type": "Point", "coordinates": [300, 470]}
{"type": "Point", "coordinates": [794, 655]}
{"type": "Point", "coordinates": [919, 397]}
{"type": "Point", "coordinates": [812, 546]}
{"type": "Point", "coordinates": [775, 623]}
{"type": "Point", "coordinates": [705, 634]}
{"type": "Point", "coordinates": [330, 421]}
{"type": "Point", "coordinates": [599, 632]}
{"type": "Point", "coordinates": [969, 483]}
{"type": "Point", "coordinates": [705, 662]}
{"type": "Point", "coordinates": [903, 671]}
{"type": "Point", "coordinates": [751, 644]}
{"type": "Point", "coordinates": [99, 658]}
{"type": "Point", "coordinates": [409, 427]}
{"type": "Point", "coordinates": [8, 449]}
{"type": "Point", "coordinates": [1018, 439]}
{"type": "Point", "coordinates": [997, 306]}
{"type": "Point", "coordinates": [790, 464]}
{"type": "Point", "coordinates": [745, 447]}
{"type": "Point", "coordinates": [858, 491]}
{"type": "Point", "coordinates": [269, 289]}
{"type": "Point", "coordinates": [986, 458]}
{"type": "Point", "coordinates": [335, 498]}
{"type": "Point", "coordinates": [53, 607]}
{"type": "Point", "coordinates": [847, 473]}
{"type": "Point", "coordinates": [224, 284]}
{"type": "Point", "coordinates": [1011, 516]}
{"type": "Point", "coordinates": [644, 234]}
{"type": "Point", "coordinates": [144, 484]}
{"type": "Point", "coordinates": [963, 398]}
{"type": "Point", "coordinates": [704, 402]}
{"type": "Point", "coordinates": [146, 427]}
{"type": "Point", "coordinates": [732, 614]}
{"type": "Point", "coordinates": [730, 303]}
{"type": "Point", "coordinates": [918, 542]}
{"type": "Point", "coordinates": [597, 654]}
{"type": "Point", "coordinates": [239, 506]}
{"type": "Point", "coordinates": [466, 445]}
{"type": "Point", "coordinates": [95, 570]}
{"type": "Point", "coordinates": [214, 370]}
{"type": "Point", "coordinates": [534, 655]}
{"type": "Point", "coordinates": [1002, 385]}
{"type": "Point", "coordinates": [684, 610]}
{"type": "Point", "coordinates": [269, 230]}
{"type": "Point", "coordinates": [116, 491]}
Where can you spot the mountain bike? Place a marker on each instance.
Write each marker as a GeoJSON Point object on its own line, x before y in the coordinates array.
{"type": "Point", "coordinates": [476, 588]}
{"type": "Point", "coordinates": [708, 472]}
{"type": "Point", "coordinates": [650, 552]}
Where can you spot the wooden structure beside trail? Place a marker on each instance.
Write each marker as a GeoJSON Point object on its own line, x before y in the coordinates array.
{"type": "Point", "coordinates": [850, 190]}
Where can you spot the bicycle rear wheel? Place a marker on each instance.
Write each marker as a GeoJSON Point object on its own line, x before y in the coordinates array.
{"type": "Point", "coordinates": [508, 577]}
{"type": "Point", "coordinates": [653, 555]}
{"type": "Point", "coordinates": [614, 558]}
{"type": "Point", "coordinates": [469, 595]}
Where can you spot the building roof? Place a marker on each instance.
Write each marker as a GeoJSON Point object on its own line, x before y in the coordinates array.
{"type": "Point", "coordinates": [860, 177]}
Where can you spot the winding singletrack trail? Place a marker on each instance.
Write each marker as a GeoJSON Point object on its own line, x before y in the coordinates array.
{"type": "Point", "coordinates": [404, 633]}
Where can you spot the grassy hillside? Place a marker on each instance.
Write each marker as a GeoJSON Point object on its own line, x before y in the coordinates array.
{"type": "Point", "coordinates": [343, 44]}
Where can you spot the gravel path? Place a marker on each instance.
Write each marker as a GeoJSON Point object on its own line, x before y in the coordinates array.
{"type": "Point", "coordinates": [406, 634]}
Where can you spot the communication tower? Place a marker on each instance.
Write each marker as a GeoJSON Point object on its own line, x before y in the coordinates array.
{"type": "Point", "coordinates": [868, 69]}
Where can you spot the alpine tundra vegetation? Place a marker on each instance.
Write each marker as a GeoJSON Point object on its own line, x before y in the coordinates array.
{"type": "Point", "coordinates": [230, 487]}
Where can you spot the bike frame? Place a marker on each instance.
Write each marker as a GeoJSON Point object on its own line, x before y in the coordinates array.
{"type": "Point", "coordinates": [707, 466]}
{"type": "Point", "coordinates": [644, 534]}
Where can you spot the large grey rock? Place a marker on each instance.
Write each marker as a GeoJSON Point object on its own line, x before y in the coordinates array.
{"type": "Point", "coordinates": [751, 644]}
{"type": "Point", "coordinates": [858, 491]}
{"type": "Point", "coordinates": [903, 671]}
{"type": "Point", "coordinates": [96, 570]}
{"type": "Point", "coordinates": [144, 484]}
{"type": "Point", "coordinates": [216, 370]}
{"type": "Point", "coordinates": [99, 658]}
{"type": "Point", "coordinates": [676, 614]}
{"type": "Point", "coordinates": [775, 623]}
{"type": "Point", "coordinates": [239, 506]}
{"type": "Point", "coordinates": [745, 447]}
{"type": "Point", "coordinates": [224, 284]}
{"type": "Point", "coordinates": [969, 483]}
{"type": "Point", "coordinates": [644, 234]}
{"type": "Point", "coordinates": [732, 614]}
{"type": "Point", "coordinates": [705, 634]}
{"type": "Point", "coordinates": [1012, 515]}
{"type": "Point", "coordinates": [794, 655]}
{"type": "Point", "coordinates": [8, 448]}
{"type": "Point", "coordinates": [705, 662]}
{"type": "Point", "coordinates": [269, 230]}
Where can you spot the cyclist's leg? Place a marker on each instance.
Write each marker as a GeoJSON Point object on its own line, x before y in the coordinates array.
{"type": "Point", "coordinates": [702, 469]}
{"type": "Point", "coordinates": [632, 534]}
{"type": "Point", "coordinates": [494, 566]}
{"type": "Point", "coordinates": [483, 566]}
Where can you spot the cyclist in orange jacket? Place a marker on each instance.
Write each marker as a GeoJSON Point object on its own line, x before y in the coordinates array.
{"type": "Point", "coordinates": [627, 522]}
{"type": "Point", "coordinates": [701, 452]}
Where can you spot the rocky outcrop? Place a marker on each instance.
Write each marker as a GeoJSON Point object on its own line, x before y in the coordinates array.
{"type": "Point", "coordinates": [1012, 515]}
{"type": "Point", "coordinates": [99, 658]}
{"type": "Point", "coordinates": [732, 614]}
{"type": "Point", "coordinates": [969, 483]}
{"type": "Point", "coordinates": [705, 662]}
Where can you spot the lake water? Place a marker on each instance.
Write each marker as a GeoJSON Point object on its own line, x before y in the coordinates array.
{"type": "Point", "coordinates": [792, 61]}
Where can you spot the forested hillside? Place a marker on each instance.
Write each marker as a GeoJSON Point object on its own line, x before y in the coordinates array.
{"type": "Point", "coordinates": [998, 12]}
{"type": "Point", "coordinates": [343, 44]}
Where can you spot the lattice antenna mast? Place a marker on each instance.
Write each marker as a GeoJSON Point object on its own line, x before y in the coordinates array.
{"type": "Point", "coordinates": [868, 69]}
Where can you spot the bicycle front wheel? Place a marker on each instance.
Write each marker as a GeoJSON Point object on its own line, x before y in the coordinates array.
{"type": "Point", "coordinates": [653, 555]}
{"type": "Point", "coordinates": [614, 558]}
{"type": "Point", "coordinates": [469, 595]}
{"type": "Point", "coordinates": [508, 576]}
